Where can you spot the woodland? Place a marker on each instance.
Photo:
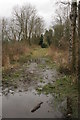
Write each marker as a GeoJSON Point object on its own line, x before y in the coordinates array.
{"type": "Point", "coordinates": [41, 59]}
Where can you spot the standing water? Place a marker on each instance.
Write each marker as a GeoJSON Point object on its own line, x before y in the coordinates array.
{"type": "Point", "coordinates": [19, 103]}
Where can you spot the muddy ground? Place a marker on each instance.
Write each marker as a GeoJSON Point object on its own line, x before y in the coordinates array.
{"type": "Point", "coordinates": [22, 90]}
{"type": "Point", "coordinates": [20, 93]}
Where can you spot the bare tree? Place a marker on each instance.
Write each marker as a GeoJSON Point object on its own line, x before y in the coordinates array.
{"type": "Point", "coordinates": [0, 29]}
{"type": "Point", "coordinates": [19, 20]}
{"type": "Point", "coordinates": [27, 21]}
{"type": "Point", "coordinates": [39, 26]}
{"type": "Point", "coordinates": [62, 23]}
{"type": "Point", "coordinates": [4, 29]}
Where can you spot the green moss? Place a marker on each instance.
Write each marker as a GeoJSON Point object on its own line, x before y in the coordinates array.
{"type": "Point", "coordinates": [16, 75]}
{"type": "Point", "coordinates": [10, 77]}
{"type": "Point", "coordinates": [36, 78]}
{"type": "Point", "coordinates": [39, 52]}
{"type": "Point", "coordinates": [39, 90]}
{"type": "Point", "coordinates": [42, 66]}
{"type": "Point", "coordinates": [46, 89]}
{"type": "Point", "coordinates": [41, 80]}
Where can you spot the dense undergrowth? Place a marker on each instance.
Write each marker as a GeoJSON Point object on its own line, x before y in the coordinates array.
{"type": "Point", "coordinates": [12, 52]}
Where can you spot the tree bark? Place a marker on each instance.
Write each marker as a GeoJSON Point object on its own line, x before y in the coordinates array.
{"type": "Point", "coordinates": [72, 41]}
{"type": "Point", "coordinates": [79, 40]}
{"type": "Point", "coordinates": [26, 30]}
{"type": "Point", "coordinates": [79, 57]}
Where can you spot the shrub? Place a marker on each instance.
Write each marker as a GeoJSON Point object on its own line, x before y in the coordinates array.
{"type": "Point", "coordinates": [12, 51]}
{"type": "Point", "coordinates": [44, 45]}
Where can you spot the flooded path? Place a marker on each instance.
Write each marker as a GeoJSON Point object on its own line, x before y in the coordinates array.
{"type": "Point", "coordinates": [18, 102]}
{"type": "Point", "coordinates": [20, 105]}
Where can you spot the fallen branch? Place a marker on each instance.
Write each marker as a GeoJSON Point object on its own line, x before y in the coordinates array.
{"type": "Point", "coordinates": [36, 107]}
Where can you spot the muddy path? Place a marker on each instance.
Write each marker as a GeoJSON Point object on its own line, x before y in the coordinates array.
{"type": "Point", "coordinates": [21, 87]}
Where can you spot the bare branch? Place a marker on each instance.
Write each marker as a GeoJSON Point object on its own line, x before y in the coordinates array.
{"type": "Point", "coordinates": [66, 3]}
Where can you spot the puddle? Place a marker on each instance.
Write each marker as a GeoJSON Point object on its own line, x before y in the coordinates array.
{"type": "Point", "coordinates": [20, 105]}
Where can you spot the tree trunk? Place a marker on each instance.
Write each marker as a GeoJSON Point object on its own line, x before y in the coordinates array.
{"type": "Point", "coordinates": [2, 29]}
{"type": "Point", "coordinates": [79, 40]}
{"type": "Point", "coordinates": [79, 56]}
{"type": "Point", "coordinates": [72, 41]}
{"type": "Point", "coordinates": [26, 30]}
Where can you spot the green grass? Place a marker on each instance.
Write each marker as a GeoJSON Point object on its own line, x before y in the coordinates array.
{"type": "Point", "coordinates": [39, 52]}
{"type": "Point", "coordinates": [41, 80]}
{"type": "Point", "coordinates": [63, 88]}
{"type": "Point", "coordinates": [24, 58]}
{"type": "Point", "coordinates": [41, 66]}
{"type": "Point", "coordinates": [10, 78]}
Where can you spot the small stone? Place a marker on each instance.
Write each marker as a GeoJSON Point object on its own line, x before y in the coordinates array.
{"type": "Point", "coordinates": [40, 89]}
{"type": "Point", "coordinates": [6, 93]}
{"type": "Point", "coordinates": [12, 67]}
{"type": "Point", "coordinates": [46, 77]}
{"type": "Point", "coordinates": [53, 81]}
{"type": "Point", "coordinates": [11, 91]}
{"type": "Point", "coordinates": [20, 90]}
{"type": "Point", "coordinates": [31, 72]}
{"type": "Point", "coordinates": [69, 115]}
{"type": "Point", "coordinates": [15, 86]}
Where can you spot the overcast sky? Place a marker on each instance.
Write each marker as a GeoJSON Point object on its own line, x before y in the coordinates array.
{"type": "Point", "coordinates": [44, 7]}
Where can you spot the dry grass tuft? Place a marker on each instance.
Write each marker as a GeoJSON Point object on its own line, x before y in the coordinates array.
{"type": "Point", "coordinates": [11, 52]}
{"type": "Point", "coordinates": [59, 56]}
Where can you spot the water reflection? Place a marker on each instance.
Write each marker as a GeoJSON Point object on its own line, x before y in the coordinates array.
{"type": "Point", "coordinates": [20, 105]}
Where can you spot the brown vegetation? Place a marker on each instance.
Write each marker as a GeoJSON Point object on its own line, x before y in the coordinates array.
{"type": "Point", "coordinates": [59, 56]}
{"type": "Point", "coordinates": [12, 51]}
